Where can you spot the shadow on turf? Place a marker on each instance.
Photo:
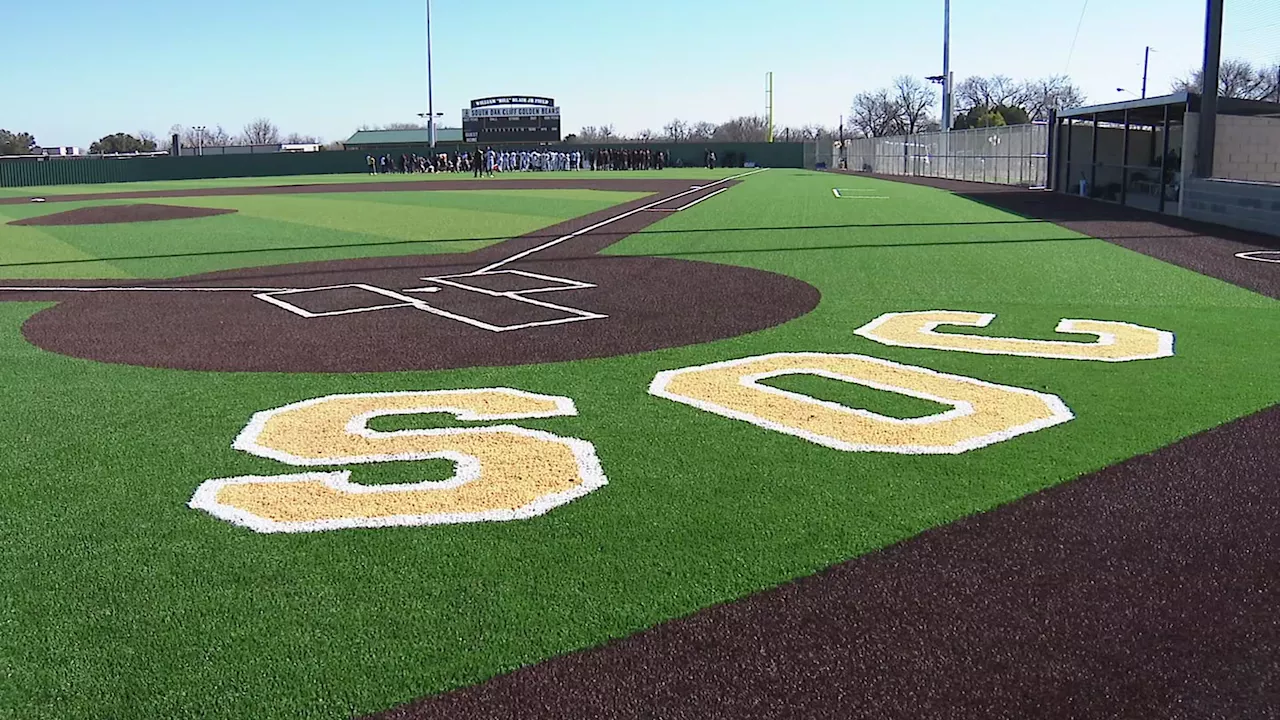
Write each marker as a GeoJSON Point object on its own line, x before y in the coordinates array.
{"type": "Point", "coordinates": [1056, 207]}
{"type": "Point", "coordinates": [344, 272]}
{"type": "Point", "coordinates": [533, 236]}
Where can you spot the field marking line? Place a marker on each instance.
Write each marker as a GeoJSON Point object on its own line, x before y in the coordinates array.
{"type": "Point", "coordinates": [418, 304]}
{"type": "Point", "coordinates": [1250, 256]}
{"type": "Point", "coordinates": [41, 288]}
{"type": "Point", "coordinates": [552, 243]}
{"type": "Point", "coordinates": [704, 197]}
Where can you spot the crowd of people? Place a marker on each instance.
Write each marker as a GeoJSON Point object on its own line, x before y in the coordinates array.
{"type": "Point", "coordinates": [489, 161]}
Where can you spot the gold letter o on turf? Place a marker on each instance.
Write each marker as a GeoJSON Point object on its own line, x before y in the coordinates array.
{"type": "Point", "coordinates": [982, 413]}
{"type": "Point", "coordinates": [503, 472]}
{"type": "Point", "coordinates": [1117, 341]}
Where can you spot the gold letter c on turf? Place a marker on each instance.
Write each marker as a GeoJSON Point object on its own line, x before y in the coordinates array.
{"type": "Point", "coordinates": [1117, 341]}
{"type": "Point", "coordinates": [503, 472]}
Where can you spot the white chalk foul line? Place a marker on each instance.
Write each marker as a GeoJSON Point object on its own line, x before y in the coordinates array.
{"type": "Point", "coordinates": [47, 288]}
{"type": "Point", "coordinates": [704, 197]}
{"type": "Point", "coordinates": [552, 243]}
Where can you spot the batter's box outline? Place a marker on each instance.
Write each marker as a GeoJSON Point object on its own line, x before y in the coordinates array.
{"type": "Point", "coordinates": [563, 283]}
{"type": "Point", "coordinates": [273, 297]}
{"type": "Point", "coordinates": [405, 301]}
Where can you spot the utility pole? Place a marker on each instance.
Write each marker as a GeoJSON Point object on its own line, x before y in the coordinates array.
{"type": "Point", "coordinates": [431, 108]}
{"type": "Point", "coordinates": [946, 66]}
{"type": "Point", "coordinates": [1146, 63]}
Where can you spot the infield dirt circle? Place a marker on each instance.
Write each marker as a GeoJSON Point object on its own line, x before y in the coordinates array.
{"type": "Point", "coordinates": [561, 302]}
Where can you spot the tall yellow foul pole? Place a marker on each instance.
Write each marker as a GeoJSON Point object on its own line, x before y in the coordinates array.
{"type": "Point", "coordinates": [768, 100]}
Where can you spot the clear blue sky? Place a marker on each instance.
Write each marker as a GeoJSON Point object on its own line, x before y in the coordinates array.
{"type": "Point", "coordinates": [86, 68]}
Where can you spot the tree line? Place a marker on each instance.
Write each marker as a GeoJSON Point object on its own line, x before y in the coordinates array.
{"type": "Point", "coordinates": [747, 128]}
{"type": "Point", "coordinates": [910, 105]}
{"type": "Point", "coordinates": [258, 132]}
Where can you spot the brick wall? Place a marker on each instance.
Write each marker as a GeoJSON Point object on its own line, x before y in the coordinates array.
{"type": "Point", "coordinates": [1245, 205]}
{"type": "Point", "coordinates": [1247, 148]}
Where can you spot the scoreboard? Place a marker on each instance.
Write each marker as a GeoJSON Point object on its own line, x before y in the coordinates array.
{"type": "Point", "coordinates": [511, 119]}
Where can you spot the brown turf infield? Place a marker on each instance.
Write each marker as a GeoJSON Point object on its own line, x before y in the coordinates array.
{"type": "Point", "coordinates": [650, 303]}
{"type": "Point", "coordinates": [107, 214]}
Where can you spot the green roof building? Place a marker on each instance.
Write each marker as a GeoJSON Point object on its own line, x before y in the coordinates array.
{"type": "Point", "coordinates": [387, 139]}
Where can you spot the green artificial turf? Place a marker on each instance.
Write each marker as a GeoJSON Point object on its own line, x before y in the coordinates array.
{"type": "Point", "coordinates": [120, 601]}
{"type": "Point", "coordinates": [280, 229]}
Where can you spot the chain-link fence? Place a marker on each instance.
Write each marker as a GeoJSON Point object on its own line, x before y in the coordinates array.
{"type": "Point", "coordinates": [1010, 155]}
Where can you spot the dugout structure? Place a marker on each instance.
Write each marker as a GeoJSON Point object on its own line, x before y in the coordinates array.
{"type": "Point", "coordinates": [511, 119]}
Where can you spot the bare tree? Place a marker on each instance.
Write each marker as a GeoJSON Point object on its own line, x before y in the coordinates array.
{"type": "Point", "coordinates": [873, 114]}
{"type": "Point", "coordinates": [594, 134]}
{"type": "Point", "coordinates": [1236, 79]}
{"type": "Point", "coordinates": [260, 132]}
{"type": "Point", "coordinates": [805, 133]}
{"type": "Point", "coordinates": [676, 131]}
{"type": "Point", "coordinates": [645, 135]}
{"type": "Point", "coordinates": [1049, 94]}
{"type": "Point", "coordinates": [914, 103]}
{"type": "Point", "coordinates": [701, 131]}
{"type": "Point", "coordinates": [748, 128]}
{"type": "Point", "coordinates": [298, 139]}
{"type": "Point", "coordinates": [989, 92]}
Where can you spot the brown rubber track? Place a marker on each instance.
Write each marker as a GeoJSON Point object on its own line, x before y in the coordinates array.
{"type": "Point", "coordinates": [1203, 247]}
{"type": "Point", "coordinates": [1150, 589]}
{"type": "Point", "coordinates": [570, 181]}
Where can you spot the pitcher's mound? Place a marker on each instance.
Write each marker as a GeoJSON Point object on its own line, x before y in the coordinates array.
{"type": "Point", "coordinates": [103, 214]}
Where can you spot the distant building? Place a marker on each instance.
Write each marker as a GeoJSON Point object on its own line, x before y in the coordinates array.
{"type": "Point", "coordinates": [61, 151]}
{"type": "Point", "coordinates": [373, 140]}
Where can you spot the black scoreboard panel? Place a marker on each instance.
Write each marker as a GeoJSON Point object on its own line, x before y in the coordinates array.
{"type": "Point", "coordinates": [511, 129]}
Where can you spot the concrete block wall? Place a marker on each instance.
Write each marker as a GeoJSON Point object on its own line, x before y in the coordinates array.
{"type": "Point", "coordinates": [1245, 205]}
{"type": "Point", "coordinates": [1247, 148]}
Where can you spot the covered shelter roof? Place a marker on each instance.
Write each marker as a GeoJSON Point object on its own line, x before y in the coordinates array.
{"type": "Point", "coordinates": [1150, 111]}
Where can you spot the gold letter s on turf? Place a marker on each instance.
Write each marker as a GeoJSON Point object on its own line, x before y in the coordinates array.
{"type": "Point", "coordinates": [503, 472]}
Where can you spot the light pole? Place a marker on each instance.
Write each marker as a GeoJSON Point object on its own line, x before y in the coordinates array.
{"type": "Point", "coordinates": [431, 108]}
{"type": "Point", "coordinates": [1123, 90]}
{"type": "Point", "coordinates": [946, 66]}
{"type": "Point", "coordinates": [431, 126]}
{"type": "Point", "coordinates": [199, 139]}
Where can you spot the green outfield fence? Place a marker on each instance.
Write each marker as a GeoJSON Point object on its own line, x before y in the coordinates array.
{"type": "Point", "coordinates": [22, 172]}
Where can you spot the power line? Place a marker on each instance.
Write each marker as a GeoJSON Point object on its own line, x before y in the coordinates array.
{"type": "Point", "coordinates": [1079, 25]}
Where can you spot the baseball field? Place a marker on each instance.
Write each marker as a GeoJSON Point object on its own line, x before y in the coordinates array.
{"type": "Point", "coordinates": [691, 443]}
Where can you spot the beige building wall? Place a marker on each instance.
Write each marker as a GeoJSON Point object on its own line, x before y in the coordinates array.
{"type": "Point", "coordinates": [1247, 148]}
